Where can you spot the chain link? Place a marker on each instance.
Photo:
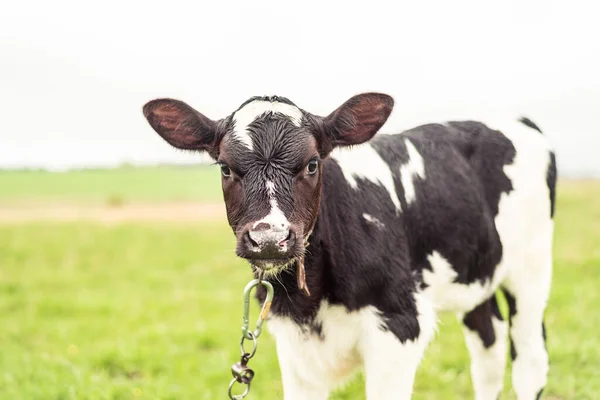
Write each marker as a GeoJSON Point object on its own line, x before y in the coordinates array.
{"type": "Point", "coordinates": [238, 396]}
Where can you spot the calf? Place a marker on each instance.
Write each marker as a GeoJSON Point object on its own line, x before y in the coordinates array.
{"type": "Point", "coordinates": [365, 242]}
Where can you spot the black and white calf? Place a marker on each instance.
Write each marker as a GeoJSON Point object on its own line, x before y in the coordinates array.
{"type": "Point", "coordinates": [365, 243]}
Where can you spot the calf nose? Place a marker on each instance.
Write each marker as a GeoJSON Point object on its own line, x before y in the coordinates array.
{"type": "Point", "coordinates": [264, 234]}
{"type": "Point", "coordinates": [266, 240]}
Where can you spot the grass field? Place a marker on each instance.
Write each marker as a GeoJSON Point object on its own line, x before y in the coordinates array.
{"type": "Point", "coordinates": [151, 310]}
{"type": "Point", "coordinates": [112, 186]}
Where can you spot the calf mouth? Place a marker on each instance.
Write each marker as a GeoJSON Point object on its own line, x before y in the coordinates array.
{"type": "Point", "coordinates": [270, 267]}
{"type": "Point", "coordinates": [271, 260]}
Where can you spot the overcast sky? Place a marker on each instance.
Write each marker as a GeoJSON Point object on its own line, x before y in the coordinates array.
{"type": "Point", "coordinates": [74, 74]}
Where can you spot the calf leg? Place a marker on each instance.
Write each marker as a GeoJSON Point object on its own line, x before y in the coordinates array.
{"type": "Point", "coordinates": [486, 336]}
{"type": "Point", "coordinates": [298, 383]}
{"type": "Point", "coordinates": [527, 290]}
{"type": "Point", "coordinates": [391, 357]}
{"type": "Point", "coordinates": [530, 362]}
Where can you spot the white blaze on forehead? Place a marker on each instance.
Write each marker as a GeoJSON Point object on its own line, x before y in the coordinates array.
{"type": "Point", "coordinates": [271, 188]}
{"type": "Point", "coordinates": [364, 162]}
{"type": "Point", "coordinates": [414, 167]}
{"type": "Point", "coordinates": [276, 218]}
{"type": "Point", "coordinates": [251, 111]}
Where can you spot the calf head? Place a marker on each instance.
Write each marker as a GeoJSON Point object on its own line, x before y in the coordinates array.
{"type": "Point", "coordinates": [270, 153]}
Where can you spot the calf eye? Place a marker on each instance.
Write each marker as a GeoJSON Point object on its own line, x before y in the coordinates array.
{"type": "Point", "coordinates": [311, 167]}
{"type": "Point", "coordinates": [225, 171]}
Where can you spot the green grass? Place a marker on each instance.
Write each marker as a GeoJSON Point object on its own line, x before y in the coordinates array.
{"type": "Point", "coordinates": [152, 311]}
{"type": "Point", "coordinates": [125, 184]}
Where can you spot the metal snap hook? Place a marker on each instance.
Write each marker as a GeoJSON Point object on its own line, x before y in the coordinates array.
{"type": "Point", "coordinates": [263, 313]}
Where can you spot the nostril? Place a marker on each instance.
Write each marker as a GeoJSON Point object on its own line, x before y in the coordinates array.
{"type": "Point", "coordinates": [250, 241]}
{"type": "Point", "coordinates": [289, 237]}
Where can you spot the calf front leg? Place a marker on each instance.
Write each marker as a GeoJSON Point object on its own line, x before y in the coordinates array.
{"type": "Point", "coordinates": [299, 383]}
{"type": "Point", "coordinates": [392, 348]}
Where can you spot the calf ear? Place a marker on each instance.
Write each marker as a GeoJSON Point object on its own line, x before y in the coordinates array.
{"type": "Point", "coordinates": [358, 119]}
{"type": "Point", "coordinates": [182, 126]}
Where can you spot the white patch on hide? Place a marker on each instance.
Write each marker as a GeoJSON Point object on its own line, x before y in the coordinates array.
{"type": "Point", "coordinates": [413, 168]}
{"type": "Point", "coordinates": [364, 162]}
{"type": "Point", "coordinates": [373, 220]}
{"type": "Point", "coordinates": [448, 295]}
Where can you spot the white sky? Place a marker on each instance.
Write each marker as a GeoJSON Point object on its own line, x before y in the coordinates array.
{"type": "Point", "coordinates": [74, 75]}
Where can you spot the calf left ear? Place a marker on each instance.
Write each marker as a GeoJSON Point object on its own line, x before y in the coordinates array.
{"type": "Point", "coordinates": [358, 119]}
{"type": "Point", "coordinates": [182, 126]}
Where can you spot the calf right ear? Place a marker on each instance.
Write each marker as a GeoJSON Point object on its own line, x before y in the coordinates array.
{"type": "Point", "coordinates": [182, 126]}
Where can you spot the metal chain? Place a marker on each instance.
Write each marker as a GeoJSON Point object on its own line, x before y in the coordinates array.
{"type": "Point", "coordinates": [242, 374]}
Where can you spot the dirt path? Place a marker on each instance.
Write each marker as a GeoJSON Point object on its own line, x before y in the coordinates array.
{"type": "Point", "coordinates": [160, 212]}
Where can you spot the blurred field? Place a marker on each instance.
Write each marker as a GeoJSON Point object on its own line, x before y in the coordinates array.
{"type": "Point", "coordinates": [112, 186]}
{"type": "Point", "coordinates": [150, 308]}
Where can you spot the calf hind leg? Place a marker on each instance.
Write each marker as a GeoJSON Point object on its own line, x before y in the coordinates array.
{"type": "Point", "coordinates": [486, 336]}
{"type": "Point", "coordinates": [527, 346]}
{"type": "Point", "coordinates": [527, 288]}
